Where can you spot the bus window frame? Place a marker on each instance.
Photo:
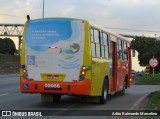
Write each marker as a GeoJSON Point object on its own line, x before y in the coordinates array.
{"type": "Point", "coordinates": [106, 46]}
{"type": "Point", "coordinates": [94, 43]}
{"type": "Point", "coordinates": [120, 48]}
{"type": "Point", "coordinates": [125, 50]}
{"type": "Point", "coordinates": [100, 43]}
{"type": "Point", "coordinates": [93, 46]}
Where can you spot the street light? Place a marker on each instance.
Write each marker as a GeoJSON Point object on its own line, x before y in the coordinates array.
{"type": "Point", "coordinates": [43, 10]}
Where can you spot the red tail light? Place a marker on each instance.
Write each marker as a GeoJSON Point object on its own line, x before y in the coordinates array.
{"type": "Point", "coordinates": [83, 72]}
{"type": "Point", "coordinates": [24, 71]}
{"type": "Point", "coordinates": [53, 47]}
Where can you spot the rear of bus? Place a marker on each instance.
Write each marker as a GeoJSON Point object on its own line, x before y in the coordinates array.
{"type": "Point", "coordinates": [52, 57]}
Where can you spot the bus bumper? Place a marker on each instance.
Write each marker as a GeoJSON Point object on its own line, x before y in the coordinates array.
{"type": "Point", "coordinates": [75, 88]}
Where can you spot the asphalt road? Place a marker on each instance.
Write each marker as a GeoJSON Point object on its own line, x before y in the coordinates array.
{"type": "Point", "coordinates": [12, 99]}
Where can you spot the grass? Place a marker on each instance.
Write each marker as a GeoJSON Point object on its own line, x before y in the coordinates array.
{"type": "Point", "coordinates": [154, 97]}
{"type": "Point", "coordinates": [149, 80]}
{"type": "Point", "coordinates": [154, 101]}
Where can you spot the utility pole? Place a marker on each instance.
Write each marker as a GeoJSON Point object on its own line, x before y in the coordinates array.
{"type": "Point", "coordinates": [43, 10]}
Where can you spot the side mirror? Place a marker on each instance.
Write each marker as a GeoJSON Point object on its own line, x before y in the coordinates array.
{"type": "Point", "coordinates": [133, 53]}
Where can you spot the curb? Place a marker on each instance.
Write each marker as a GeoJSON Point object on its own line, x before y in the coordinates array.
{"type": "Point", "coordinates": [138, 102]}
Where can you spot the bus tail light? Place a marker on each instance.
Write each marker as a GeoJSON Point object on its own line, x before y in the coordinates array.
{"type": "Point", "coordinates": [83, 72]}
{"type": "Point", "coordinates": [130, 80]}
{"type": "Point", "coordinates": [53, 47]}
{"type": "Point", "coordinates": [24, 71]}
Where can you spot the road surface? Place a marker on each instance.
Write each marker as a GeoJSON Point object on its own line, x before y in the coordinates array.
{"type": "Point", "coordinates": [12, 99]}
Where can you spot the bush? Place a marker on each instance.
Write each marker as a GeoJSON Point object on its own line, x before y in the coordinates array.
{"type": "Point", "coordinates": [7, 46]}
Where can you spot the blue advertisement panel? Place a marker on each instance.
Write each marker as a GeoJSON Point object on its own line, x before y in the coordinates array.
{"type": "Point", "coordinates": [54, 46]}
{"type": "Point", "coordinates": [47, 32]}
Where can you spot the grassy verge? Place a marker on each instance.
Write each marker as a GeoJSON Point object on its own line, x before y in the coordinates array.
{"type": "Point", "coordinates": [149, 80]}
{"type": "Point", "coordinates": [154, 98]}
{"type": "Point", "coordinates": [153, 104]}
{"type": "Point", "coordinates": [154, 101]}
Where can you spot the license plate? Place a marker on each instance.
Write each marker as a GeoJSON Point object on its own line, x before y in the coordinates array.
{"type": "Point", "coordinates": [52, 77]}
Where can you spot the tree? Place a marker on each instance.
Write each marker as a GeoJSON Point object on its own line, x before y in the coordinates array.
{"type": "Point", "coordinates": [7, 46]}
{"type": "Point", "coordinates": [147, 48]}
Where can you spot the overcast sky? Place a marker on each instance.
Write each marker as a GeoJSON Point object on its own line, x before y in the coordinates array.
{"type": "Point", "coordinates": [124, 14]}
{"type": "Point", "coordinates": [127, 14]}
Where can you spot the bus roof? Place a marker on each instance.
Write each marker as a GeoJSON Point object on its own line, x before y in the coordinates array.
{"type": "Point", "coordinates": [91, 24]}
{"type": "Point", "coordinates": [108, 31]}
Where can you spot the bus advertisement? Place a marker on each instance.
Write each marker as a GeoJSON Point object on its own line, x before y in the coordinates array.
{"type": "Point", "coordinates": [66, 56]}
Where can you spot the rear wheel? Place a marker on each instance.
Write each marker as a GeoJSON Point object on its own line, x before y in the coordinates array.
{"type": "Point", "coordinates": [104, 96]}
{"type": "Point", "coordinates": [123, 91]}
{"type": "Point", "coordinates": [56, 97]}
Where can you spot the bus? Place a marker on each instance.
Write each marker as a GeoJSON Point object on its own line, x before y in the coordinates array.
{"type": "Point", "coordinates": [69, 56]}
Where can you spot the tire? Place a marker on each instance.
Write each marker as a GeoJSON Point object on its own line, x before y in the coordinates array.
{"type": "Point", "coordinates": [56, 98]}
{"type": "Point", "coordinates": [123, 91]}
{"type": "Point", "coordinates": [104, 96]}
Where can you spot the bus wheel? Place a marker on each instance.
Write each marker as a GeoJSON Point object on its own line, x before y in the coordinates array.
{"type": "Point", "coordinates": [122, 92]}
{"type": "Point", "coordinates": [56, 97]}
{"type": "Point", "coordinates": [104, 96]}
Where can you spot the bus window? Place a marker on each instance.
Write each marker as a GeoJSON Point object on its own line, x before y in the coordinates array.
{"type": "Point", "coordinates": [125, 52]}
{"type": "Point", "coordinates": [96, 39]}
{"type": "Point", "coordinates": [120, 49]}
{"type": "Point", "coordinates": [93, 50]}
{"type": "Point", "coordinates": [97, 50]}
{"type": "Point", "coordinates": [102, 46]}
{"type": "Point", "coordinates": [106, 41]}
{"type": "Point", "coordinates": [91, 34]}
{"type": "Point", "coordinates": [105, 45]}
{"type": "Point", "coordinates": [93, 46]}
{"type": "Point", "coordinates": [96, 36]}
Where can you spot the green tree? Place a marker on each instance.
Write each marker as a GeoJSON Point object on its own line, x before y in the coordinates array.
{"type": "Point", "coordinates": [147, 48]}
{"type": "Point", "coordinates": [7, 46]}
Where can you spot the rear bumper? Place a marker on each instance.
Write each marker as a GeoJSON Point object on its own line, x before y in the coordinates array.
{"type": "Point", "coordinates": [75, 88]}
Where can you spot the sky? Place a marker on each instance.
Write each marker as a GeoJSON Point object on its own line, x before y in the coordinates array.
{"type": "Point", "coordinates": [132, 17]}
{"type": "Point", "coordinates": [121, 16]}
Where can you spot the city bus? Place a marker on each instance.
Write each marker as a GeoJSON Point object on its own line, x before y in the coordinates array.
{"type": "Point", "coordinates": [69, 56]}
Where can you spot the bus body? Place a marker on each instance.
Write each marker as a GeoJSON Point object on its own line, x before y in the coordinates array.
{"type": "Point", "coordinates": [74, 57]}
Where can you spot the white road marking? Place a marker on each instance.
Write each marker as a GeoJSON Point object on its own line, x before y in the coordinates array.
{"type": "Point", "coordinates": [4, 94]}
{"type": "Point", "coordinates": [138, 102]}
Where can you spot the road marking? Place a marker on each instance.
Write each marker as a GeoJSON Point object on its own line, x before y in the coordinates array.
{"type": "Point", "coordinates": [4, 94]}
{"type": "Point", "coordinates": [138, 102]}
